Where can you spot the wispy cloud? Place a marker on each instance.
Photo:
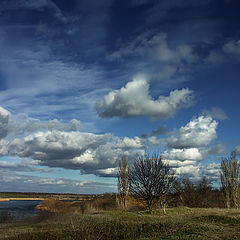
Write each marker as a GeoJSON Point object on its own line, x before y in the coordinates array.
{"type": "Point", "coordinates": [161, 130]}
{"type": "Point", "coordinates": [24, 165]}
{"type": "Point", "coordinates": [45, 85]}
{"type": "Point", "coordinates": [39, 5]}
{"type": "Point", "coordinates": [216, 113]}
{"type": "Point", "coordinates": [9, 180]}
{"type": "Point", "coordinates": [161, 11]}
{"type": "Point", "coordinates": [139, 2]}
{"type": "Point", "coordinates": [43, 65]}
{"type": "Point", "coordinates": [156, 46]}
{"type": "Point", "coordinates": [151, 51]}
{"type": "Point", "coordinates": [232, 48]}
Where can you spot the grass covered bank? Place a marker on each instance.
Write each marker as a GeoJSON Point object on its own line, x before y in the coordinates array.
{"type": "Point", "coordinates": [179, 223]}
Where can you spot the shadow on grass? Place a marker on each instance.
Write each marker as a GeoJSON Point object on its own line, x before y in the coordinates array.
{"type": "Point", "coordinates": [6, 217]}
{"type": "Point", "coordinates": [219, 219]}
{"type": "Point", "coordinates": [95, 228]}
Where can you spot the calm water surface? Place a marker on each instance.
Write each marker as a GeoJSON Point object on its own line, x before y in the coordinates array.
{"type": "Point", "coordinates": [19, 209]}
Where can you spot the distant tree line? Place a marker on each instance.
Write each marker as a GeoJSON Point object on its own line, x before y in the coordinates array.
{"type": "Point", "coordinates": [196, 194]}
{"type": "Point", "coordinates": [154, 183]}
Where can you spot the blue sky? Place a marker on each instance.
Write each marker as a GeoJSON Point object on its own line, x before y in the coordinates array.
{"type": "Point", "coordinates": [83, 83]}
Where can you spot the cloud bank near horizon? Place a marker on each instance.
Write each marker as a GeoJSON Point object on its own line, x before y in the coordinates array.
{"type": "Point", "coordinates": [186, 148]}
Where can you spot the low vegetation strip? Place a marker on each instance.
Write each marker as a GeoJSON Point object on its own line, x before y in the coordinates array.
{"type": "Point", "coordinates": [178, 223]}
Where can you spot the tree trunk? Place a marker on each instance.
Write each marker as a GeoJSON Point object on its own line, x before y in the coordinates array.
{"type": "Point", "coordinates": [164, 208]}
{"type": "Point", "coordinates": [150, 206]}
{"type": "Point", "coordinates": [227, 199]}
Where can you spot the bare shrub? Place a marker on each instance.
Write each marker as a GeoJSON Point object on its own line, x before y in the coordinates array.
{"type": "Point", "coordinates": [151, 181]}
{"type": "Point", "coordinates": [55, 206]}
{"type": "Point", "coordinates": [230, 173]}
{"type": "Point", "coordinates": [105, 202]}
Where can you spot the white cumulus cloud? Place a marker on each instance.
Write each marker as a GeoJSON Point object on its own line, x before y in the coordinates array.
{"type": "Point", "coordinates": [197, 133]}
{"type": "Point", "coordinates": [134, 100]}
{"type": "Point", "coordinates": [211, 171]}
{"type": "Point", "coordinates": [4, 120]}
{"type": "Point", "coordinates": [87, 152]}
{"type": "Point", "coordinates": [238, 150]}
{"type": "Point", "coordinates": [191, 171]}
{"type": "Point", "coordinates": [22, 124]}
{"type": "Point", "coordinates": [188, 147]}
{"type": "Point", "coordinates": [183, 154]}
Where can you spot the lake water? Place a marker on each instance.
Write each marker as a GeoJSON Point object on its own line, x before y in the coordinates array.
{"type": "Point", "coordinates": [19, 209]}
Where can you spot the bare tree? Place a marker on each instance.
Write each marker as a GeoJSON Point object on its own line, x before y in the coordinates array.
{"type": "Point", "coordinates": [204, 193]}
{"type": "Point", "coordinates": [188, 194]}
{"type": "Point", "coordinates": [151, 181]}
{"type": "Point", "coordinates": [229, 173]}
{"type": "Point", "coordinates": [204, 185]}
{"type": "Point", "coordinates": [123, 182]}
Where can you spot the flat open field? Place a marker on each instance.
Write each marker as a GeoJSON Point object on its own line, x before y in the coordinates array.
{"type": "Point", "coordinates": [178, 223]}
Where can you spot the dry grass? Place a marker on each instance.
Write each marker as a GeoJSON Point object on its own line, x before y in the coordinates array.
{"type": "Point", "coordinates": [53, 205]}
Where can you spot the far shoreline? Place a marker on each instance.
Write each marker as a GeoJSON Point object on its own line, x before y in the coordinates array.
{"type": "Point", "coordinates": [20, 199]}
